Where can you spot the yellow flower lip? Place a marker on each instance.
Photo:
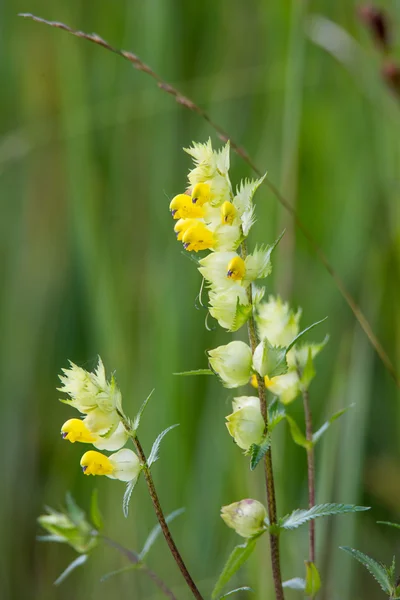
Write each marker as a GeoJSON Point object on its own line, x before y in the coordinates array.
{"type": "Point", "coordinates": [236, 269]}
{"type": "Point", "coordinates": [75, 430]}
{"type": "Point", "coordinates": [95, 463]}
{"type": "Point", "coordinates": [201, 193]}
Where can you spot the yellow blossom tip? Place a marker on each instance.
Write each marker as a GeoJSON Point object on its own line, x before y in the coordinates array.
{"type": "Point", "coordinates": [75, 430]}
{"type": "Point", "coordinates": [198, 237]}
{"type": "Point", "coordinates": [95, 463]}
{"type": "Point", "coordinates": [201, 194]}
{"type": "Point", "coordinates": [228, 213]}
{"type": "Point", "coordinates": [236, 269]}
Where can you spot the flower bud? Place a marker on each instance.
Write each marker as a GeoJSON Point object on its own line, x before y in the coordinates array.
{"type": "Point", "coordinates": [67, 528]}
{"type": "Point", "coordinates": [245, 517]}
{"type": "Point", "coordinates": [201, 194]}
{"type": "Point", "coordinates": [246, 424]}
{"type": "Point", "coordinates": [232, 363]}
{"type": "Point", "coordinates": [228, 213]}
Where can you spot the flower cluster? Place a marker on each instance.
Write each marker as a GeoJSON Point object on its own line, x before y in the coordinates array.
{"type": "Point", "coordinates": [102, 425]}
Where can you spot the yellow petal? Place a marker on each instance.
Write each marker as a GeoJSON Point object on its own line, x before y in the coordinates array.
{"type": "Point", "coordinates": [95, 463]}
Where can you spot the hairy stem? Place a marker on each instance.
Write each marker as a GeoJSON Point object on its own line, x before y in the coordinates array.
{"type": "Point", "coordinates": [269, 474]}
{"type": "Point", "coordinates": [135, 560]}
{"type": "Point", "coordinates": [163, 524]}
{"type": "Point", "coordinates": [310, 470]}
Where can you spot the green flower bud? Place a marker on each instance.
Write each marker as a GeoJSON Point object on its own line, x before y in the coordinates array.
{"type": "Point", "coordinates": [245, 517]}
{"type": "Point", "coordinates": [232, 363]}
{"type": "Point", "coordinates": [246, 424]}
{"type": "Point", "coordinates": [69, 527]}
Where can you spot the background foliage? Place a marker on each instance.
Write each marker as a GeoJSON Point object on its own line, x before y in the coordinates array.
{"type": "Point", "coordinates": [90, 153]}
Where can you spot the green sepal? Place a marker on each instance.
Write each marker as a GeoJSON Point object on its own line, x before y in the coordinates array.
{"type": "Point", "coordinates": [196, 372]}
{"type": "Point", "coordinates": [258, 451]}
{"type": "Point", "coordinates": [317, 435]}
{"type": "Point", "coordinates": [237, 558]}
{"type": "Point", "coordinates": [243, 312]}
{"type": "Point", "coordinates": [313, 580]}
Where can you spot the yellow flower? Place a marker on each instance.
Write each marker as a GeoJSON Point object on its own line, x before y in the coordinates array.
{"type": "Point", "coordinates": [198, 237]}
{"type": "Point", "coordinates": [123, 465]}
{"type": "Point", "coordinates": [236, 269]}
{"type": "Point", "coordinates": [182, 226]}
{"type": "Point", "coordinates": [95, 463]}
{"type": "Point", "coordinates": [228, 213]}
{"type": "Point", "coordinates": [75, 430]}
{"type": "Point", "coordinates": [201, 194]}
{"type": "Point", "coordinates": [182, 207]}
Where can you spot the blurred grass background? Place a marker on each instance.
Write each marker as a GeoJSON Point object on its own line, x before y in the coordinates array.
{"type": "Point", "coordinates": [90, 153]}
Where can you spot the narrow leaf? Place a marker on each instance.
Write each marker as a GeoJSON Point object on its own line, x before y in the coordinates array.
{"type": "Point", "coordinates": [298, 437]}
{"type": "Point", "coordinates": [95, 513]}
{"type": "Point", "coordinates": [241, 589]}
{"type": "Point", "coordinates": [313, 580]}
{"type": "Point", "coordinates": [127, 496]}
{"type": "Point", "coordinates": [297, 583]}
{"type": "Point", "coordinates": [71, 567]}
{"type": "Point", "coordinates": [155, 532]}
{"type": "Point", "coordinates": [156, 446]}
{"type": "Point", "coordinates": [196, 372]}
{"type": "Point", "coordinates": [136, 421]}
{"type": "Point", "coordinates": [397, 525]}
{"type": "Point", "coordinates": [236, 559]}
{"type": "Point", "coordinates": [317, 435]}
{"type": "Point", "coordinates": [301, 516]}
{"type": "Point", "coordinates": [51, 538]}
{"type": "Point", "coordinates": [377, 570]}
{"type": "Point", "coordinates": [75, 513]}
{"type": "Point", "coordinates": [257, 452]}
{"type": "Point", "coordinates": [303, 333]}
{"type": "Point", "coordinates": [118, 571]}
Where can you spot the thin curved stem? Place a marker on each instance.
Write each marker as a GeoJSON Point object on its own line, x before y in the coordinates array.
{"type": "Point", "coordinates": [268, 469]}
{"type": "Point", "coordinates": [163, 524]}
{"type": "Point", "coordinates": [135, 560]}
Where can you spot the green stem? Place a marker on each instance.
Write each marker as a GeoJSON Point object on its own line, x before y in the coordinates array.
{"type": "Point", "coordinates": [269, 474]}
{"type": "Point", "coordinates": [163, 524]}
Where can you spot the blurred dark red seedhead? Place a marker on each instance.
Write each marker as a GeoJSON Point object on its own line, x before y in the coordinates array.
{"type": "Point", "coordinates": [375, 19]}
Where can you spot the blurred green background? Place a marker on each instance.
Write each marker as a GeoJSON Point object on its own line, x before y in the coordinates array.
{"type": "Point", "coordinates": [90, 153]}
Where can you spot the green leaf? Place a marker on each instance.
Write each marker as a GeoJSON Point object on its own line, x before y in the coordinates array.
{"type": "Point", "coordinates": [309, 372]}
{"type": "Point", "coordinates": [75, 513]}
{"type": "Point", "coordinates": [155, 532]}
{"type": "Point", "coordinates": [51, 538]}
{"type": "Point", "coordinates": [276, 414]}
{"type": "Point", "coordinates": [136, 421]}
{"type": "Point", "coordinates": [317, 435]}
{"type": "Point", "coordinates": [243, 312]}
{"type": "Point", "coordinates": [377, 570]}
{"type": "Point", "coordinates": [71, 567]}
{"type": "Point", "coordinates": [298, 437]}
{"type": "Point", "coordinates": [236, 559]}
{"type": "Point", "coordinates": [127, 496]}
{"type": "Point", "coordinates": [257, 452]}
{"type": "Point", "coordinates": [300, 516]}
{"type": "Point", "coordinates": [241, 589]}
{"type": "Point", "coordinates": [297, 583]}
{"type": "Point", "coordinates": [95, 513]}
{"type": "Point", "coordinates": [118, 571]}
{"type": "Point", "coordinates": [197, 372]}
{"type": "Point", "coordinates": [313, 580]}
{"type": "Point", "coordinates": [271, 361]}
{"type": "Point", "coordinates": [154, 454]}
{"type": "Point", "coordinates": [389, 523]}
{"type": "Point", "coordinates": [303, 333]}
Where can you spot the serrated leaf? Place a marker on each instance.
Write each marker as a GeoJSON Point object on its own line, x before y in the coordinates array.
{"type": "Point", "coordinates": [297, 583]}
{"type": "Point", "coordinates": [276, 414]}
{"type": "Point", "coordinates": [303, 333]}
{"type": "Point", "coordinates": [237, 558]}
{"type": "Point", "coordinates": [127, 496]}
{"type": "Point", "coordinates": [95, 513]}
{"type": "Point", "coordinates": [270, 360]}
{"type": "Point", "coordinates": [136, 420]}
{"type": "Point", "coordinates": [241, 589]}
{"type": "Point", "coordinates": [196, 372]}
{"type": "Point", "coordinates": [257, 452]}
{"type": "Point", "coordinates": [71, 567]}
{"type": "Point", "coordinates": [313, 580]}
{"type": "Point", "coordinates": [155, 532]}
{"type": "Point", "coordinates": [156, 446]}
{"type": "Point", "coordinates": [298, 437]}
{"type": "Point", "coordinates": [119, 571]}
{"type": "Point", "coordinates": [317, 435]}
{"type": "Point", "coordinates": [389, 523]}
{"type": "Point", "coordinates": [300, 516]}
{"type": "Point", "coordinates": [243, 312]}
{"type": "Point", "coordinates": [377, 570]}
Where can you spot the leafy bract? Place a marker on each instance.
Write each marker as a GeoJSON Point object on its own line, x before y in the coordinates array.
{"type": "Point", "coordinates": [300, 516]}
{"type": "Point", "coordinates": [303, 333]}
{"type": "Point", "coordinates": [317, 435]}
{"type": "Point", "coordinates": [127, 496]}
{"type": "Point", "coordinates": [136, 420]}
{"type": "Point", "coordinates": [154, 454]}
{"type": "Point", "coordinates": [377, 570]}
{"type": "Point", "coordinates": [258, 451]}
{"type": "Point", "coordinates": [313, 580]}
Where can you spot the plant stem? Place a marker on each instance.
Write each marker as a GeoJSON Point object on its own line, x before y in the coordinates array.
{"type": "Point", "coordinates": [163, 524]}
{"type": "Point", "coordinates": [310, 470]}
{"type": "Point", "coordinates": [135, 560]}
{"type": "Point", "coordinates": [269, 474]}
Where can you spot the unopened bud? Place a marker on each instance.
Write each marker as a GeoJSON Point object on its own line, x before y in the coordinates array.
{"type": "Point", "coordinates": [245, 517]}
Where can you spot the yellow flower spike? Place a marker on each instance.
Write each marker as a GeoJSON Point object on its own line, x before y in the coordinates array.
{"type": "Point", "coordinates": [228, 213]}
{"type": "Point", "coordinates": [75, 430]}
{"type": "Point", "coordinates": [182, 207]}
{"type": "Point", "coordinates": [182, 226]}
{"type": "Point", "coordinates": [95, 463]}
{"type": "Point", "coordinates": [236, 269]}
{"type": "Point", "coordinates": [198, 237]}
{"type": "Point", "coordinates": [201, 194]}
